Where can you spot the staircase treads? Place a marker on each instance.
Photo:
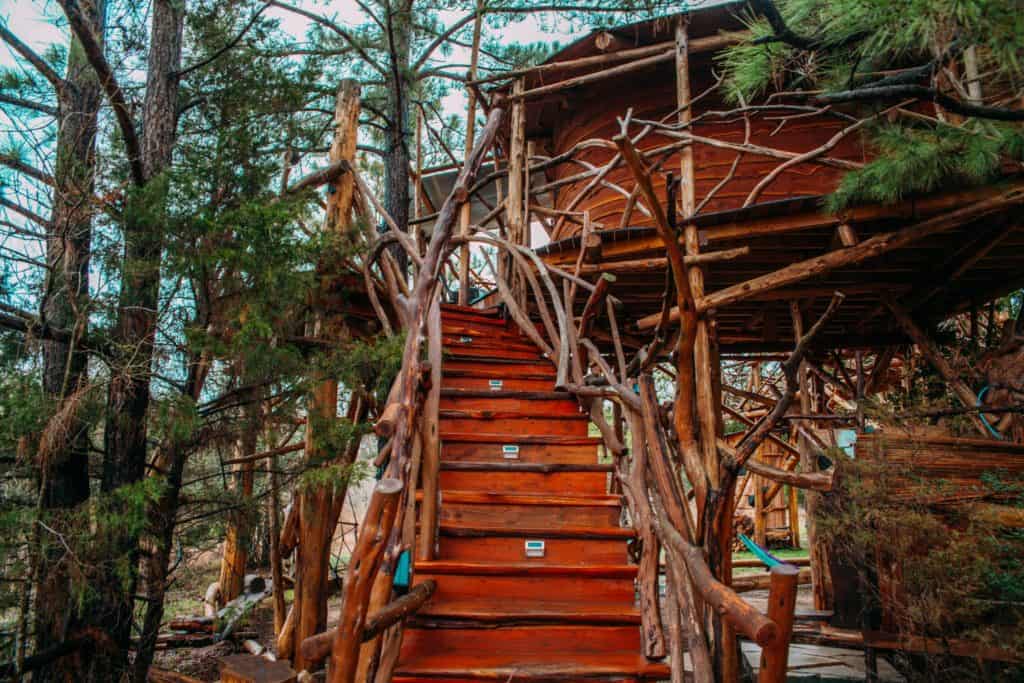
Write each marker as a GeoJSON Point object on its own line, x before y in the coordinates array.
{"type": "Point", "coordinates": [546, 500]}
{"type": "Point", "coordinates": [484, 530]}
{"type": "Point", "coordinates": [477, 349]}
{"type": "Point", "coordinates": [448, 392]}
{"type": "Point", "coordinates": [525, 612]}
{"type": "Point", "coordinates": [611, 571]}
{"type": "Point", "coordinates": [526, 467]}
{"type": "Point", "coordinates": [458, 451]}
{"type": "Point", "coordinates": [502, 404]}
{"type": "Point", "coordinates": [521, 414]}
{"type": "Point", "coordinates": [557, 551]}
{"type": "Point", "coordinates": [458, 357]}
{"type": "Point", "coordinates": [471, 314]}
{"type": "Point", "coordinates": [552, 667]}
{"type": "Point", "coordinates": [514, 423]}
{"type": "Point", "coordinates": [466, 329]}
{"type": "Point", "coordinates": [484, 437]}
{"type": "Point", "coordinates": [499, 372]}
{"type": "Point", "coordinates": [543, 590]}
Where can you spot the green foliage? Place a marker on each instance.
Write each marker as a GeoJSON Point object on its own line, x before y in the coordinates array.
{"type": "Point", "coordinates": [752, 69]}
{"type": "Point", "coordinates": [335, 477]}
{"type": "Point", "coordinates": [917, 160]}
{"type": "Point", "coordinates": [870, 35]}
{"type": "Point", "coordinates": [23, 407]}
{"type": "Point", "coordinates": [958, 574]}
{"type": "Point", "coordinates": [857, 43]}
{"type": "Point", "coordinates": [371, 364]}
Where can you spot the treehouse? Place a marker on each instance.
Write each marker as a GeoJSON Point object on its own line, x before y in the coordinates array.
{"type": "Point", "coordinates": [755, 207]}
{"type": "Point", "coordinates": [636, 220]}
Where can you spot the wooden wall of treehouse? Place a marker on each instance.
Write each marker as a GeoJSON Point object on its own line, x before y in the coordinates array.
{"type": "Point", "coordinates": [776, 527]}
{"type": "Point", "coordinates": [592, 112]}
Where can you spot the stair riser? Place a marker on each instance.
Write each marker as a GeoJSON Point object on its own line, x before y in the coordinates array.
{"type": "Point", "coordinates": [484, 351]}
{"type": "Point", "coordinates": [536, 516]}
{"type": "Point", "coordinates": [556, 550]}
{"type": "Point", "coordinates": [526, 640]}
{"type": "Point", "coordinates": [535, 426]}
{"type": "Point", "coordinates": [519, 591]}
{"type": "Point", "coordinates": [475, 314]}
{"type": "Point", "coordinates": [449, 679]}
{"type": "Point", "coordinates": [529, 452]}
{"type": "Point", "coordinates": [504, 405]}
{"type": "Point", "coordinates": [525, 482]}
{"type": "Point", "coordinates": [492, 332]}
{"type": "Point", "coordinates": [498, 369]}
{"type": "Point", "coordinates": [507, 384]}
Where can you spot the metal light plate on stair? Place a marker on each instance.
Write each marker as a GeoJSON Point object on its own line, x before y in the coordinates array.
{"type": "Point", "coordinates": [534, 548]}
{"type": "Point", "coordinates": [465, 340]}
{"type": "Point", "coordinates": [495, 384]}
{"type": "Point", "coordinates": [510, 451]}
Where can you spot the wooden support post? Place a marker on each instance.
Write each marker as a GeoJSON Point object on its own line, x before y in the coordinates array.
{"type": "Point", "coordinates": [704, 356]}
{"type": "Point", "coordinates": [360, 577]}
{"type": "Point", "coordinates": [781, 607]}
{"type": "Point", "coordinates": [594, 305]}
{"type": "Point", "coordinates": [652, 633]}
{"type": "Point", "coordinates": [938, 361]}
{"type": "Point", "coordinates": [760, 514]}
{"type": "Point", "coordinates": [794, 517]}
{"type": "Point", "coordinates": [847, 234]}
{"type": "Point", "coordinates": [684, 409]}
{"type": "Point", "coordinates": [821, 574]}
{"type": "Point", "coordinates": [316, 503]}
{"type": "Point", "coordinates": [464, 252]}
{"type": "Point", "coordinates": [515, 199]}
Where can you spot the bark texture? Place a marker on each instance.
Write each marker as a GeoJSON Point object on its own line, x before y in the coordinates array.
{"type": "Point", "coordinates": [128, 396]}
{"type": "Point", "coordinates": [65, 473]}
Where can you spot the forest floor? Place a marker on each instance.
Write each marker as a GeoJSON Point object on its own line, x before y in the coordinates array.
{"type": "Point", "coordinates": [185, 598]}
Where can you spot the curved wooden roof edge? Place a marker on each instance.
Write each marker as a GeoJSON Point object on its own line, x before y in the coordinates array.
{"type": "Point", "coordinates": [707, 18]}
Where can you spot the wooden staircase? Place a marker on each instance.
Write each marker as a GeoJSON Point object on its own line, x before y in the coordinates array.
{"type": "Point", "coordinates": [533, 581]}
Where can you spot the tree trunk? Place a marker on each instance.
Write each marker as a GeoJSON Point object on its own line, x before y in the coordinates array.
{"type": "Point", "coordinates": [65, 480]}
{"type": "Point", "coordinates": [398, 135]}
{"type": "Point", "coordinates": [238, 538]}
{"type": "Point", "coordinates": [317, 503]}
{"type": "Point", "coordinates": [128, 395]}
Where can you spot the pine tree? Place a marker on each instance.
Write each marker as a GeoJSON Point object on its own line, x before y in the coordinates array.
{"type": "Point", "coordinates": [954, 68]}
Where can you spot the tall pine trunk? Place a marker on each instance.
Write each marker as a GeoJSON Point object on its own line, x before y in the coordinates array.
{"type": "Point", "coordinates": [161, 520]}
{"type": "Point", "coordinates": [65, 473]}
{"type": "Point", "coordinates": [128, 396]}
{"type": "Point", "coordinates": [398, 136]}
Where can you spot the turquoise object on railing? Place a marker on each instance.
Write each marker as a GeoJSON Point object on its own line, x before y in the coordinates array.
{"type": "Point", "coordinates": [984, 420]}
{"type": "Point", "coordinates": [403, 573]}
{"type": "Point", "coordinates": [766, 557]}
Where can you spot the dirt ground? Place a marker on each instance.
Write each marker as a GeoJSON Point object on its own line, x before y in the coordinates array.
{"type": "Point", "coordinates": [186, 598]}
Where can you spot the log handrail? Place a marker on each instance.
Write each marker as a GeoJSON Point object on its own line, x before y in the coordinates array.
{"type": "Point", "coordinates": [316, 648]}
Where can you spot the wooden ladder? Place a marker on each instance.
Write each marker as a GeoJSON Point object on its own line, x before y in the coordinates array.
{"type": "Point", "coordinates": [533, 580]}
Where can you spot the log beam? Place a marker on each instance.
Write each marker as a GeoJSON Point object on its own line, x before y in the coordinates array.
{"type": "Point", "coordinates": [869, 248]}
{"type": "Point", "coordinates": [930, 351]}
